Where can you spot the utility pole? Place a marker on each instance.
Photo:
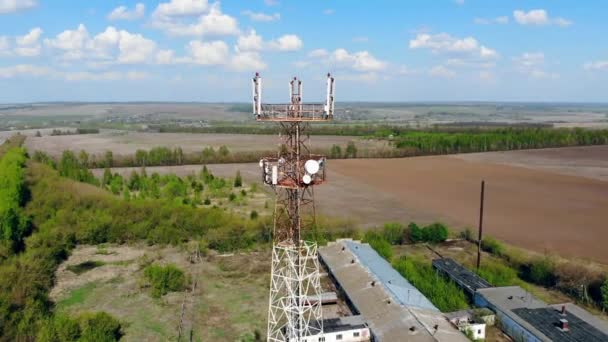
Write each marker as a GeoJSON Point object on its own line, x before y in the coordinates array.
{"type": "Point", "coordinates": [479, 235]}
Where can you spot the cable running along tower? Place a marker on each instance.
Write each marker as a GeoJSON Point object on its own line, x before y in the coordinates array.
{"type": "Point", "coordinates": [294, 311]}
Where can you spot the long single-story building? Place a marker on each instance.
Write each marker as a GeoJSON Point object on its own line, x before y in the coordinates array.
{"type": "Point", "coordinates": [393, 309]}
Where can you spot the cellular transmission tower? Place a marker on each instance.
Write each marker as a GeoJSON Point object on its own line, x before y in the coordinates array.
{"type": "Point", "coordinates": [294, 311]}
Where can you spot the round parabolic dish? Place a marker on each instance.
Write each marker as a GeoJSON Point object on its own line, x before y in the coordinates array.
{"type": "Point", "coordinates": [307, 179]}
{"type": "Point", "coordinates": [311, 166]}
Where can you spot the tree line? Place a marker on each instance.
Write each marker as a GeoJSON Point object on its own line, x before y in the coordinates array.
{"type": "Point", "coordinates": [429, 143]}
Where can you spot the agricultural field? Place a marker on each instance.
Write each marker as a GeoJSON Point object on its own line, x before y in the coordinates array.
{"type": "Point", "coordinates": [545, 200]}
{"type": "Point", "coordinates": [127, 142]}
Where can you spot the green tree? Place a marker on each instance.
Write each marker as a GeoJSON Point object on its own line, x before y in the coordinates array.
{"type": "Point", "coordinates": [38, 135]}
{"type": "Point", "coordinates": [351, 150]}
{"type": "Point", "coordinates": [224, 151]}
{"type": "Point", "coordinates": [335, 152]}
{"type": "Point", "coordinates": [83, 158]}
{"type": "Point", "coordinates": [416, 233]}
{"type": "Point", "coordinates": [165, 279]}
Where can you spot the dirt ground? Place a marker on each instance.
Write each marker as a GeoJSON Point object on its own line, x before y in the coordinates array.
{"type": "Point", "coordinates": [584, 161]}
{"type": "Point", "coordinates": [127, 142]}
{"type": "Point", "coordinates": [534, 209]}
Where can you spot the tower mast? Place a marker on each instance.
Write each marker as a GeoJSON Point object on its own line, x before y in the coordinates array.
{"type": "Point", "coordinates": [294, 311]}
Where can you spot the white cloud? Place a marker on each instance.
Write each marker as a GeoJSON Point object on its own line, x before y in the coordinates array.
{"type": "Point", "coordinates": [263, 17]}
{"type": "Point", "coordinates": [180, 8]}
{"type": "Point", "coordinates": [250, 42]}
{"type": "Point", "coordinates": [288, 42]}
{"type": "Point", "coordinates": [247, 61]}
{"type": "Point", "coordinates": [12, 6]}
{"type": "Point", "coordinates": [532, 64]}
{"type": "Point", "coordinates": [211, 23]}
{"type": "Point", "coordinates": [360, 61]}
{"type": "Point", "coordinates": [441, 71]}
{"type": "Point", "coordinates": [208, 53]}
{"type": "Point", "coordinates": [597, 65]}
{"type": "Point", "coordinates": [498, 20]}
{"type": "Point", "coordinates": [328, 11]}
{"type": "Point", "coordinates": [538, 17]}
{"type": "Point", "coordinates": [318, 53]}
{"type": "Point", "coordinates": [459, 2]}
{"type": "Point", "coordinates": [444, 43]}
{"type": "Point", "coordinates": [123, 13]}
{"type": "Point", "coordinates": [165, 57]}
{"type": "Point", "coordinates": [71, 42]}
{"type": "Point", "coordinates": [24, 70]}
{"type": "Point", "coordinates": [271, 2]}
{"type": "Point", "coordinates": [115, 46]}
{"type": "Point", "coordinates": [29, 44]}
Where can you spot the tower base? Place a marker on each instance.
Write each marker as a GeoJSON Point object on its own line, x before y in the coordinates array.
{"type": "Point", "coordinates": [295, 287]}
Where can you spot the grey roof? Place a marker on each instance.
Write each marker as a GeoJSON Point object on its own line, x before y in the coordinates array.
{"type": "Point", "coordinates": [400, 289]}
{"type": "Point", "coordinates": [540, 319]}
{"type": "Point", "coordinates": [387, 318]}
{"type": "Point", "coordinates": [343, 324]}
{"type": "Point", "coordinates": [466, 279]}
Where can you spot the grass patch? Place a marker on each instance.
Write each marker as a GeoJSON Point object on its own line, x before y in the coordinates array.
{"type": "Point", "coordinates": [78, 296]}
{"type": "Point", "coordinates": [84, 266]}
{"type": "Point", "coordinates": [165, 279]}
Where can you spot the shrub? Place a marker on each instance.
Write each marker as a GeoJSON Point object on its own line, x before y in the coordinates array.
{"type": "Point", "coordinates": [231, 197]}
{"type": "Point", "coordinates": [415, 233]}
{"type": "Point", "coordinates": [435, 233]}
{"type": "Point", "coordinates": [88, 327]}
{"type": "Point", "coordinates": [444, 294]}
{"type": "Point", "coordinates": [492, 246]}
{"type": "Point", "coordinates": [165, 279]}
{"type": "Point", "coordinates": [497, 273]}
{"type": "Point", "coordinates": [379, 244]}
{"type": "Point", "coordinates": [542, 272]}
{"type": "Point", "coordinates": [393, 233]}
{"type": "Point", "coordinates": [207, 201]}
{"type": "Point", "coordinates": [254, 215]}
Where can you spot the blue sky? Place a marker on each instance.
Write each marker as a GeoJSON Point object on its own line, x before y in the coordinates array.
{"type": "Point", "coordinates": [198, 50]}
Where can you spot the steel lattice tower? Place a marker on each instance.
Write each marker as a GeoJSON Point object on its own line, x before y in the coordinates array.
{"type": "Point", "coordinates": [294, 311]}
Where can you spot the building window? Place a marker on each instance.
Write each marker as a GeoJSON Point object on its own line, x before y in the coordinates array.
{"type": "Point", "coordinates": [321, 339]}
{"type": "Point", "coordinates": [339, 337]}
{"type": "Point", "coordinates": [356, 334]}
{"type": "Point", "coordinates": [479, 332]}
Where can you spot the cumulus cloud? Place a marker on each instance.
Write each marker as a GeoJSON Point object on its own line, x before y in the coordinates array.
{"type": "Point", "coordinates": [271, 2]}
{"type": "Point", "coordinates": [180, 8]}
{"type": "Point", "coordinates": [24, 70]}
{"type": "Point", "coordinates": [208, 53]}
{"type": "Point", "coordinates": [360, 61]}
{"type": "Point", "coordinates": [441, 71]}
{"type": "Point", "coordinates": [116, 46]}
{"type": "Point", "coordinates": [177, 20]}
{"type": "Point", "coordinates": [71, 42]}
{"type": "Point", "coordinates": [123, 13]}
{"type": "Point", "coordinates": [263, 17]}
{"type": "Point", "coordinates": [29, 44]}
{"type": "Point", "coordinates": [250, 42]}
{"type": "Point", "coordinates": [288, 42]}
{"type": "Point", "coordinates": [538, 17]}
{"type": "Point", "coordinates": [445, 43]}
{"type": "Point", "coordinates": [247, 61]}
{"type": "Point", "coordinates": [12, 6]}
{"type": "Point", "coordinates": [318, 53]}
{"type": "Point", "coordinates": [103, 76]}
{"type": "Point", "coordinates": [597, 65]}
{"type": "Point", "coordinates": [328, 11]}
